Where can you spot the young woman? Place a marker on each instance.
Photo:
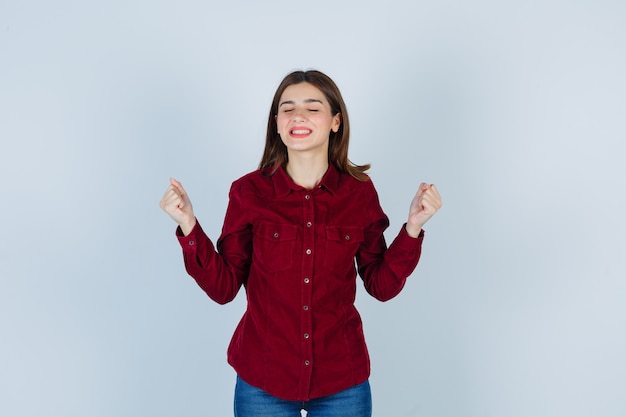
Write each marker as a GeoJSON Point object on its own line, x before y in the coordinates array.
{"type": "Point", "coordinates": [291, 234]}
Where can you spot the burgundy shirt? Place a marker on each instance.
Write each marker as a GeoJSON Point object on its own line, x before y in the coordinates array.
{"type": "Point", "coordinates": [294, 251]}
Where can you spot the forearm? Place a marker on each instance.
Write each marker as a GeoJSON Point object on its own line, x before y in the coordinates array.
{"type": "Point", "coordinates": [385, 272]}
{"type": "Point", "coordinates": [219, 278]}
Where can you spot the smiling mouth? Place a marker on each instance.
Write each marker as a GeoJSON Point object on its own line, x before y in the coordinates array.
{"type": "Point", "coordinates": [300, 131]}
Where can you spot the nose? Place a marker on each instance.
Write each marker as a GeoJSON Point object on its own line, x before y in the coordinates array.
{"type": "Point", "coordinates": [298, 115]}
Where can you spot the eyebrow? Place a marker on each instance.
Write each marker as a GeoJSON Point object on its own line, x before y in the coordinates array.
{"type": "Point", "coordinates": [308, 100]}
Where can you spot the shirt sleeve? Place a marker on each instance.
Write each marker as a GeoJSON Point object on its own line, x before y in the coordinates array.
{"type": "Point", "coordinates": [220, 272]}
{"type": "Point", "coordinates": [385, 270]}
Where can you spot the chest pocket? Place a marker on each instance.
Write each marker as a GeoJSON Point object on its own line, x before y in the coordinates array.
{"type": "Point", "coordinates": [342, 244]}
{"type": "Point", "coordinates": [274, 246]}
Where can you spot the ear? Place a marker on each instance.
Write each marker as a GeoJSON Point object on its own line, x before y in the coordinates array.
{"type": "Point", "coordinates": [336, 123]}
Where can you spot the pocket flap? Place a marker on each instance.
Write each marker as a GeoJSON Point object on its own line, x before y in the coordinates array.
{"type": "Point", "coordinates": [346, 235]}
{"type": "Point", "coordinates": [278, 232]}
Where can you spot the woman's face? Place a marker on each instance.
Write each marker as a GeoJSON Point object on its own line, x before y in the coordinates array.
{"type": "Point", "coordinates": [305, 119]}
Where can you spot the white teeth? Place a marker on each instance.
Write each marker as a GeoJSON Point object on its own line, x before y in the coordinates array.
{"type": "Point", "coordinates": [300, 132]}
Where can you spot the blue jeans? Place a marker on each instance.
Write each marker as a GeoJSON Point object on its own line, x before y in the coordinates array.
{"type": "Point", "coordinates": [254, 402]}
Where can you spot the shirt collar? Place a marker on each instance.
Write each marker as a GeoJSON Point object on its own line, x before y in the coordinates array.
{"type": "Point", "coordinates": [283, 184]}
{"type": "Point", "coordinates": [330, 180]}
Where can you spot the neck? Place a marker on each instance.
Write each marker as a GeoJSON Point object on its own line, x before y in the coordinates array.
{"type": "Point", "coordinates": [306, 172]}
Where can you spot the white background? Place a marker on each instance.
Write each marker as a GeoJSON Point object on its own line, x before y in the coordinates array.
{"type": "Point", "coordinates": [516, 110]}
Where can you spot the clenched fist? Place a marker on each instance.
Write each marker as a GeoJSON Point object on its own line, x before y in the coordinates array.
{"type": "Point", "coordinates": [424, 205]}
{"type": "Point", "coordinates": [177, 204]}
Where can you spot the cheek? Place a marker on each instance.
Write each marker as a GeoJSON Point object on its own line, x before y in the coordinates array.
{"type": "Point", "coordinates": [281, 122]}
{"type": "Point", "coordinates": [326, 121]}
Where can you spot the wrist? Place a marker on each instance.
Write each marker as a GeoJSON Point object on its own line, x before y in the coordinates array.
{"type": "Point", "coordinates": [413, 231]}
{"type": "Point", "coordinates": [187, 227]}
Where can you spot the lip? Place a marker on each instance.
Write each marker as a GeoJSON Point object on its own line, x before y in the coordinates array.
{"type": "Point", "coordinates": [300, 132]}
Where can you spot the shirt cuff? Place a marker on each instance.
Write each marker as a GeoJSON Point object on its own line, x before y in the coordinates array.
{"type": "Point", "coordinates": [188, 243]}
{"type": "Point", "coordinates": [407, 242]}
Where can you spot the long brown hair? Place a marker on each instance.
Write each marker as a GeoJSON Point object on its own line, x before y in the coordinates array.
{"type": "Point", "coordinates": [275, 153]}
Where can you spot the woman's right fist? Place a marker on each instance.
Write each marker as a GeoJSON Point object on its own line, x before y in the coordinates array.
{"type": "Point", "coordinates": [177, 204]}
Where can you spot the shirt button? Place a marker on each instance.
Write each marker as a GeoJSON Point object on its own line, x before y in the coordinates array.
{"type": "Point", "coordinates": [276, 235]}
{"type": "Point", "coordinates": [191, 243]}
{"type": "Point", "coordinates": [306, 336]}
{"type": "Point", "coordinates": [307, 363]}
{"type": "Point", "coordinates": [306, 308]}
{"type": "Point", "coordinates": [309, 224]}
{"type": "Point", "coordinates": [308, 251]}
{"type": "Point", "coordinates": [307, 196]}
{"type": "Point", "coordinates": [306, 280]}
{"type": "Point", "coordinates": [347, 237]}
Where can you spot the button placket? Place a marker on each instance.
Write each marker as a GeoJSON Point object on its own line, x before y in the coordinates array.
{"type": "Point", "coordinates": [306, 322]}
